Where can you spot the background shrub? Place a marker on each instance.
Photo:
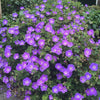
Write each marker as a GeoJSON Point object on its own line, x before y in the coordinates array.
{"type": "Point", "coordinates": [92, 2]}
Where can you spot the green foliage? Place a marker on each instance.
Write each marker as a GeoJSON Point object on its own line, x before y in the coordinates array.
{"type": "Point", "coordinates": [10, 6]}
{"type": "Point", "coordinates": [93, 20]}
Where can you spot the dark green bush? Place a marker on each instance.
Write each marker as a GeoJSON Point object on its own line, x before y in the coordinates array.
{"type": "Point", "coordinates": [92, 2]}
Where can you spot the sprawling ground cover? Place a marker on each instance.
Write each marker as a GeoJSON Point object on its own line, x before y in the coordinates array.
{"type": "Point", "coordinates": [49, 53]}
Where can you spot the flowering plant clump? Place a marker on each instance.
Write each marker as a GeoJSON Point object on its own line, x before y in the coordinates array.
{"type": "Point", "coordinates": [48, 53]}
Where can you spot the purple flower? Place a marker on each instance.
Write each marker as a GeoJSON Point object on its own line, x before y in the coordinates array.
{"type": "Point", "coordinates": [41, 16]}
{"type": "Point", "coordinates": [27, 15]}
{"type": "Point", "coordinates": [35, 67]}
{"type": "Point", "coordinates": [69, 53]}
{"type": "Point", "coordinates": [70, 44]}
{"type": "Point", "coordinates": [38, 30]}
{"type": "Point", "coordinates": [8, 93]}
{"type": "Point", "coordinates": [37, 37]}
{"type": "Point", "coordinates": [71, 67]}
{"type": "Point", "coordinates": [55, 89]}
{"type": "Point", "coordinates": [1, 46]}
{"type": "Point", "coordinates": [5, 22]}
{"type": "Point", "coordinates": [8, 85]}
{"type": "Point", "coordinates": [90, 32]}
{"type": "Point", "coordinates": [26, 55]}
{"type": "Point", "coordinates": [34, 85]}
{"type": "Point", "coordinates": [19, 67]}
{"type": "Point", "coordinates": [86, 5]}
{"type": "Point", "coordinates": [32, 16]}
{"type": "Point", "coordinates": [44, 1]}
{"type": "Point", "coordinates": [16, 32]}
{"type": "Point", "coordinates": [38, 13]}
{"type": "Point", "coordinates": [37, 7]}
{"type": "Point", "coordinates": [88, 75]}
{"type": "Point", "coordinates": [43, 68]}
{"type": "Point", "coordinates": [3, 34]}
{"type": "Point", "coordinates": [7, 54]}
{"type": "Point", "coordinates": [41, 42]}
{"type": "Point", "coordinates": [17, 42]}
{"type": "Point", "coordinates": [64, 89]}
{"type": "Point", "coordinates": [87, 92]}
{"type": "Point", "coordinates": [24, 64]}
{"type": "Point", "coordinates": [41, 61]}
{"type": "Point", "coordinates": [48, 13]}
{"type": "Point", "coordinates": [4, 40]}
{"type": "Point", "coordinates": [61, 18]}
{"type": "Point", "coordinates": [93, 66]}
{"type": "Point", "coordinates": [42, 6]}
{"type": "Point", "coordinates": [31, 41]}
{"type": "Point", "coordinates": [64, 42]}
{"type": "Point", "coordinates": [87, 52]}
{"type": "Point", "coordinates": [40, 82]}
{"type": "Point", "coordinates": [5, 79]}
{"type": "Point", "coordinates": [51, 21]}
{"type": "Point", "coordinates": [56, 50]}
{"type": "Point", "coordinates": [27, 98]}
{"type": "Point", "coordinates": [67, 73]}
{"type": "Point", "coordinates": [0, 75]}
{"type": "Point", "coordinates": [26, 81]}
{"type": "Point", "coordinates": [59, 1]}
{"type": "Point", "coordinates": [54, 58]}
{"type": "Point", "coordinates": [44, 87]}
{"type": "Point", "coordinates": [78, 96]}
{"type": "Point", "coordinates": [21, 8]}
{"type": "Point", "coordinates": [28, 92]}
{"type": "Point", "coordinates": [59, 6]}
{"type": "Point", "coordinates": [14, 14]}
{"type": "Point", "coordinates": [31, 29]}
{"type": "Point", "coordinates": [44, 78]}
{"type": "Point", "coordinates": [11, 30]}
{"type": "Point", "coordinates": [72, 98]}
{"type": "Point", "coordinates": [60, 87]}
{"type": "Point", "coordinates": [93, 91]}
{"type": "Point", "coordinates": [34, 20]}
{"type": "Point", "coordinates": [21, 42]}
{"type": "Point", "coordinates": [82, 79]}
{"type": "Point", "coordinates": [27, 36]}
{"type": "Point", "coordinates": [30, 67]}
{"type": "Point", "coordinates": [50, 97]}
{"type": "Point", "coordinates": [77, 16]}
{"type": "Point", "coordinates": [16, 56]}
{"type": "Point", "coordinates": [12, 79]}
{"type": "Point", "coordinates": [66, 7]}
{"type": "Point", "coordinates": [87, 12]}
{"type": "Point", "coordinates": [34, 58]}
{"type": "Point", "coordinates": [74, 11]}
{"type": "Point", "coordinates": [58, 66]}
{"type": "Point", "coordinates": [59, 76]}
{"type": "Point", "coordinates": [42, 9]}
{"type": "Point", "coordinates": [7, 69]}
{"type": "Point", "coordinates": [66, 32]}
{"type": "Point", "coordinates": [48, 28]}
{"type": "Point", "coordinates": [45, 64]}
{"type": "Point", "coordinates": [55, 38]}
{"type": "Point", "coordinates": [69, 17]}
{"type": "Point", "coordinates": [8, 47]}
{"type": "Point", "coordinates": [99, 76]}
{"type": "Point", "coordinates": [35, 51]}
{"type": "Point", "coordinates": [48, 57]}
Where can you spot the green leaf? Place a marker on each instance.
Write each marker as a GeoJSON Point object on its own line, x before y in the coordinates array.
{"type": "Point", "coordinates": [45, 97]}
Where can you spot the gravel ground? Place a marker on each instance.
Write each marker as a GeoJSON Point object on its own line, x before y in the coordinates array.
{"type": "Point", "coordinates": [3, 89]}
